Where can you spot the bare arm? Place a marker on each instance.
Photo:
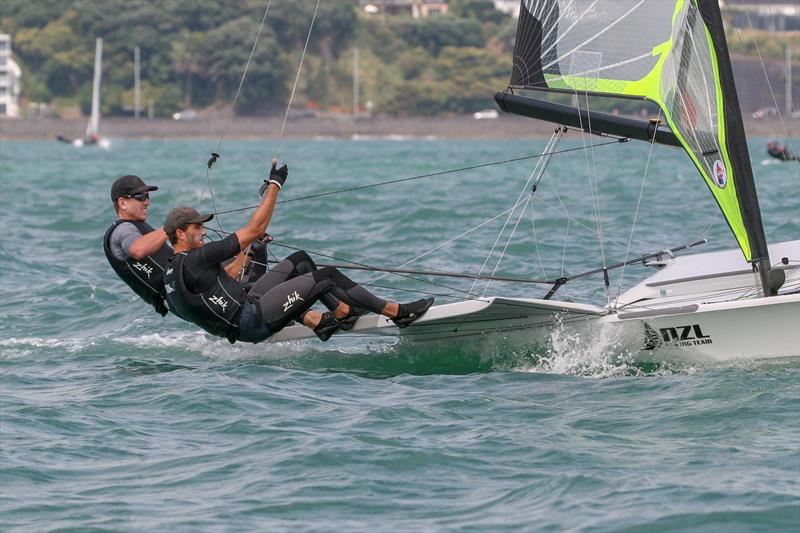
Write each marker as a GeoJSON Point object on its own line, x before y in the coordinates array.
{"type": "Point", "coordinates": [258, 223]}
{"type": "Point", "coordinates": [237, 266]}
{"type": "Point", "coordinates": [147, 244]}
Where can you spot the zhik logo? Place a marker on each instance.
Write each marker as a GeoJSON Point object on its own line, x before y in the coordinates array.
{"type": "Point", "coordinates": [220, 301]}
{"type": "Point", "coordinates": [143, 268]}
{"type": "Point", "coordinates": [290, 300]}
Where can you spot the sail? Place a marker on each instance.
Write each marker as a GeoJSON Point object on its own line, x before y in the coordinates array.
{"type": "Point", "coordinates": [94, 119]}
{"type": "Point", "coordinates": [662, 51]}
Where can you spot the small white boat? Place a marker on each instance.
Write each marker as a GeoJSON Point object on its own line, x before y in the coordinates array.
{"type": "Point", "coordinates": [92, 136]}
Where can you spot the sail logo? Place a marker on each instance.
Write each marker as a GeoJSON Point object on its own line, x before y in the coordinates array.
{"type": "Point", "coordinates": [220, 301]}
{"type": "Point", "coordinates": [685, 336]}
{"type": "Point", "coordinates": [720, 174]}
{"type": "Point", "coordinates": [290, 300]}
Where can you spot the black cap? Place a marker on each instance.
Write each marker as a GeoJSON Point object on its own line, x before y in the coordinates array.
{"type": "Point", "coordinates": [127, 185]}
{"type": "Point", "coordinates": [180, 217]}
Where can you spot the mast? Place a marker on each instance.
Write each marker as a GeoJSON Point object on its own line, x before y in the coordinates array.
{"type": "Point", "coordinates": [94, 119]}
{"type": "Point", "coordinates": [736, 142]}
{"type": "Point", "coordinates": [789, 106]}
{"type": "Point", "coordinates": [356, 103]}
{"type": "Point", "coordinates": [137, 96]}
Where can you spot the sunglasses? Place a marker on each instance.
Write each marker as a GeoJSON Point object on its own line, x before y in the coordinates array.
{"type": "Point", "coordinates": [140, 196]}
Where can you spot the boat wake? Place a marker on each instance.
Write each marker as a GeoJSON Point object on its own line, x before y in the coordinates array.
{"type": "Point", "coordinates": [592, 351]}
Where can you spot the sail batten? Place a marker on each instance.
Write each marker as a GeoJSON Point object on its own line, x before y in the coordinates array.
{"type": "Point", "coordinates": [661, 51]}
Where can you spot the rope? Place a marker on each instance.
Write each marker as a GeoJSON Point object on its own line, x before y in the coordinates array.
{"type": "Point", "coordinates": [636, 213]}
{"type": "Point", "coordinates": [593, 182]}
{"type": "Point", "coordinates": [469, 296]}
{"type": "Point", "coordinates": [505, 224]}
{"type": "Point", "coordinates": [297, 77]}
{"type": "Point", "coordinates": [536, 242]}
{"type": "Point", "coordinates": [445, 243]}
{"type": "Point", "coordinates": [417, 177]}
{"type": "Point", "coordinates": [244, 74]}
{"type": "Point", "coordinates": [552, 143]}
{"type": "Point", "coordinates": [216, 155]}
{"type": "Point", "coordinates": [766, 76]}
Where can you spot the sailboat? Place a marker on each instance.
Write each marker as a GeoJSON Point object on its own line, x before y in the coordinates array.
{"type": "Point", "coordinates": [718, 306]}
{"type": "Point", "coordinates": [92, 135]}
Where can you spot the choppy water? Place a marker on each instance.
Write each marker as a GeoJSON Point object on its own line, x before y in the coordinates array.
{"type": "Point", "coordinates": [114, 418]}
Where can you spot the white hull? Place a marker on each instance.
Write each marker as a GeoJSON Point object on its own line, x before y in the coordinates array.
{"type": "Point", "coordinates": [700, 308]}
{"type": "Point", "coordinates": [762, 328]}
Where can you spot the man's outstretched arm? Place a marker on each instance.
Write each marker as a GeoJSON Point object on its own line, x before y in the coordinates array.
{"type": "Point", "coordinates": [147, 244]}
{"type": "Point", "coordinates": [258, 223]}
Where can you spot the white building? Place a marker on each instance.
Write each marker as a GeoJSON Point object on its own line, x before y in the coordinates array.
{"type": "Point", "coordinates": [415, 8]}
{"type": "Point", "coordinates": [771, 15]}
{"type": "Point", "coordinates": [10, 74]}
{"type": "Point", "coordinates": [509, 7]}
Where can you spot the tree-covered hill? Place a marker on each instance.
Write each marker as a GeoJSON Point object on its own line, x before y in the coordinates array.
{"type": "Point", "coordinates": [194, 52]}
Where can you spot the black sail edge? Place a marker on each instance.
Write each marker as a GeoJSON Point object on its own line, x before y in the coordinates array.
{"type": "Point", "coordinates": [573, 117]}
{"type": "Point", "coordinates": [736, 143]}
{"type": "Point", "coordinates": [526, 68]}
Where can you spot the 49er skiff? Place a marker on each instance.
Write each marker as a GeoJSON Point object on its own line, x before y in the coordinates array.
{"type": "Point", "coordinates": [715, 306]}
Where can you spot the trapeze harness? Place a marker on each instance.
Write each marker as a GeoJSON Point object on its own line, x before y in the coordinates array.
{"type": "Point", "coordinates": [145, 276]}
{"type": "Point", "coordinates": [216, 309]}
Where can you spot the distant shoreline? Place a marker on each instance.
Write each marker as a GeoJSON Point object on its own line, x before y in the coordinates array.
{"type": "Point", "coordinates": [342, 127]}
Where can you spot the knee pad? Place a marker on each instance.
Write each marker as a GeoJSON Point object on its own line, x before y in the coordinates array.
{"type": "Point", "coordinates": [299, 257]}
{"type": "Point", "coordinates": [331, 273]}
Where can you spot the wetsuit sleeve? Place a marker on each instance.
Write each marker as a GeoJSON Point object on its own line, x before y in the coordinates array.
{"type": "Point", "coordinates": [214, 253]}
{"type": "Point", "coordinates": [201, 266]}
{"type": "Point", "coordinates": [121, 240]}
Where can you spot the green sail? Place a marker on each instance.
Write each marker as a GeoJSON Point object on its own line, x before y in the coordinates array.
{"type": "Point", "coordinates": [661, 51]}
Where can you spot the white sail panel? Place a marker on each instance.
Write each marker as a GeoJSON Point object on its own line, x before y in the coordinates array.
{"type": "Point", "coordinates": [660, 50]}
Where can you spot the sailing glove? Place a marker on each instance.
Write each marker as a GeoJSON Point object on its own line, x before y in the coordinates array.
{"type": "Point", "coordinates": [277, 175]}
{"type": "Point", "coordinates": [258, 248]}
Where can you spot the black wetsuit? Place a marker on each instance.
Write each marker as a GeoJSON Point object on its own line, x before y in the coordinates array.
{"type": "Point", "coordinates": [198, 286]}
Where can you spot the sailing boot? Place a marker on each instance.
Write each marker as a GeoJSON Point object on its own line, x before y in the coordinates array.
{"type": "Point", "coordinates": [347, 322]}
{"type": "Point", "coordinates": [327, 326]}
{"type": "Point", "coordinates": [409, 312]}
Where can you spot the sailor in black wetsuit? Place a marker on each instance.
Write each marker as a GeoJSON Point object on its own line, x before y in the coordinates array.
{"type": "Point", "coordinates": [137, 252]}
{"type": "Point", "coordinates": [202, 289]}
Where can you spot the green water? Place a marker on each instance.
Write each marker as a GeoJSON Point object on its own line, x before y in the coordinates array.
{"type": "Point", "coordinates": [114, 418]}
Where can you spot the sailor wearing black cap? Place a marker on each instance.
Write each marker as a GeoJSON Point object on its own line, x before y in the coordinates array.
{"type": "Point", "coordinates": [137, 252]}
{"type": "Point", "coordinates": [201, 288]}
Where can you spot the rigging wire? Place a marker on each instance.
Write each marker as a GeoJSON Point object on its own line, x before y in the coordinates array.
{"type": "Point", "coordinates": [510, 214]}
{"type": "Point", "coordinates": [536, 242]}
{"type": "Point", "coordinates": [552, 143]}
{"type": "Point", "coordinates": [216, 155]}
{"type": "Point", "coordinates": [564, 253]}
{"type": "Point", "coordinates": [244, 75]}
{"type": "Point", "coordinates": [296, 78]}
{"type": "Point", "coordinates": [445, 243]}
{"type": "Point", "coordinates": [764, 69]}
{"type": "Point", "coordinates": [636, 213]}
{"type": "Point", "coordinates": [417, 177]}
{"type": "Point", "coordinates": [593, 183]}
{"type": "Point", "coordinates": [455, 289]}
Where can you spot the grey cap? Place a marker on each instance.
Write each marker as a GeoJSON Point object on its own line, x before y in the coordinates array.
{"type": "Point", "coordinates": [127, 185]}
{"type": "Point", "coordinates": [180, 217]}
